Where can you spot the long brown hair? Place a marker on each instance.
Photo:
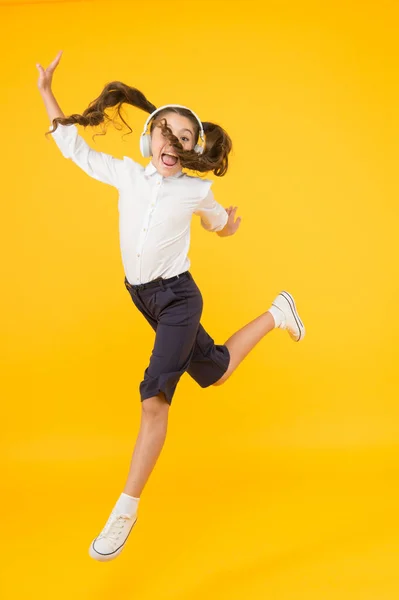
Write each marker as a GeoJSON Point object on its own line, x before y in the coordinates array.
{"type": "Point", "coordinates": [218, 144]}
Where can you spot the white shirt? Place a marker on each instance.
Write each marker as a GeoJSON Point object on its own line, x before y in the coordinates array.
{"type": "Point", "coordinates": [154, 211]}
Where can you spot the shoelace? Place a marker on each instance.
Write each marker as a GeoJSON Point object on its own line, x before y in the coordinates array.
{"type": "Point", "coordinates": [113, 526]}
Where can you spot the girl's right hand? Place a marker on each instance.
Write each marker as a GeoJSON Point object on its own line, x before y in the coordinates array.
{"type": "Point", "coordinates": [46, 75]}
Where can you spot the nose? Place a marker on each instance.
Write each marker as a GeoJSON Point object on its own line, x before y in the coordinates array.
{"type": "Point", "coordinates": [170, 150]}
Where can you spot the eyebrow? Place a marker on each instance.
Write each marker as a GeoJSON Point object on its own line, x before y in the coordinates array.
{"type": "Point", "coordinates": [189, 131]}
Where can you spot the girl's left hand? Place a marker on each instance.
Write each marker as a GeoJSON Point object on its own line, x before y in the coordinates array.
{"type": "Point", "coordinates": [231, 225]}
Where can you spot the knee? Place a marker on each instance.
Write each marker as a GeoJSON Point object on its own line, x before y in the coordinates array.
{"type": "Point", "coordinates": [155, 407]}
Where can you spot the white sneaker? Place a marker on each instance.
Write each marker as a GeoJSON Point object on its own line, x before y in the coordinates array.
{"type": "Point", "coordinates": [110, 543]}
{"type": "Point", "coordinates": [292, 323]}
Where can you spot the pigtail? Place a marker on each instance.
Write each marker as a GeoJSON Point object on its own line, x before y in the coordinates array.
{"type": "Point", "coordinates": [218, 145]}
{"type": "Point", "coordinates": [115, 94]}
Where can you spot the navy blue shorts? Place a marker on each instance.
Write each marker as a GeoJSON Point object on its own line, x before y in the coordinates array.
{"type": "Point", "coordinates": [173, 308]}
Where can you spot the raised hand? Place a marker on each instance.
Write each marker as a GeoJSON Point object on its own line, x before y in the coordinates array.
{"type": "Point", "coordinates": [46, 75]}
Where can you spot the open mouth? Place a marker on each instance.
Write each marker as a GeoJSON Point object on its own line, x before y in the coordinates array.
{"type": "Point", "coordinates": [169, 160]}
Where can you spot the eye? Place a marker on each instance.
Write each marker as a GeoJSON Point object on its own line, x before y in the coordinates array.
{"type": "Point", "coordinates": [185, 139]}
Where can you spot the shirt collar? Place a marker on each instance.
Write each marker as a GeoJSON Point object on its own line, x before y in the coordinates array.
{"type": "Point", "coordinates": [150, 169]}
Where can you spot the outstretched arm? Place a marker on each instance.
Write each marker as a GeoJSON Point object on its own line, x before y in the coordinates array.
{"type": "Point", "coordinates": [44, 84]}
{"type": "Point", "coordinates": [98, 165]}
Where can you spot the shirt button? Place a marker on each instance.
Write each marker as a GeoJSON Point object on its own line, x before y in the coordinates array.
{"type": "Point", "coordinates": [145, 229]}
{"type": "Point", "coordinates": [138, 255]}
{"type": "Point", "coordinates": [158, 183]}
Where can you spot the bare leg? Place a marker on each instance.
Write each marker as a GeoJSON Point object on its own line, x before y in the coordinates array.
{"type": "Point", "coordinates": [155, 410]}
{"type": "Point", "coordinates": [241, 343]}
{"type": "Point", "coordinates": [149, 443]}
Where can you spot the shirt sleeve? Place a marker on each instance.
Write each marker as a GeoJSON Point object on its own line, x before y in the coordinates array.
{"type": "Point", "coordinates": [213, 216]}
{"type": "Point", "coordinates": [98, 165]}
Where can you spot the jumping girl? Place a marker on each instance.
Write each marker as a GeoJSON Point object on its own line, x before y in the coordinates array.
{"type": "Point", "coordinates": [156, 204]}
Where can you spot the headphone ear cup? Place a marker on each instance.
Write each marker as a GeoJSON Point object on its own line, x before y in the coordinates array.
{"type": "Point", "coordinates": [199, 149]}
{"type": "Point", "coordinates": [145, 145]}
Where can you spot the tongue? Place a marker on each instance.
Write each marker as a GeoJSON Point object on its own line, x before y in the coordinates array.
{"type": "Point", "coordinates": [169, 160]}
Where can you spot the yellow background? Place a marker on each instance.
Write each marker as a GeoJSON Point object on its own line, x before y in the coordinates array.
{"type": "Point", "coordinates": [282, 483]}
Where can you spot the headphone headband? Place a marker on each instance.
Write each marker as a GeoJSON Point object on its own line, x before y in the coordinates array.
{"type": "Point", "coordinates": [201, 133]}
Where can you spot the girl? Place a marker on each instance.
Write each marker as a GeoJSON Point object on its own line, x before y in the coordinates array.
{"type": "Point", "coordinates": [156, 204]}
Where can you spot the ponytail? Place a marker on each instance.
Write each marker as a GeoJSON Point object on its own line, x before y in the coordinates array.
{"type": "Point", "coordinates": [115, 93]}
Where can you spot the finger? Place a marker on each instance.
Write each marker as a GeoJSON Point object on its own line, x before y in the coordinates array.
{"type": "Point", "coordinates": [55, 62]}
{"type": "Point", "coordinates": [58, 57]}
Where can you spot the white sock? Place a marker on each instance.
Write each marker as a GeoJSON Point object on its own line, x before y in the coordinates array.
{"type": "Point", "coordinates": [127, 504]}
{"type": "Point", "coordinates": [277, 315]}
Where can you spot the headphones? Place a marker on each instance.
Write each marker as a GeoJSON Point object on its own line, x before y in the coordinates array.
{"type": "Point", "coordinates": [145, 138]}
